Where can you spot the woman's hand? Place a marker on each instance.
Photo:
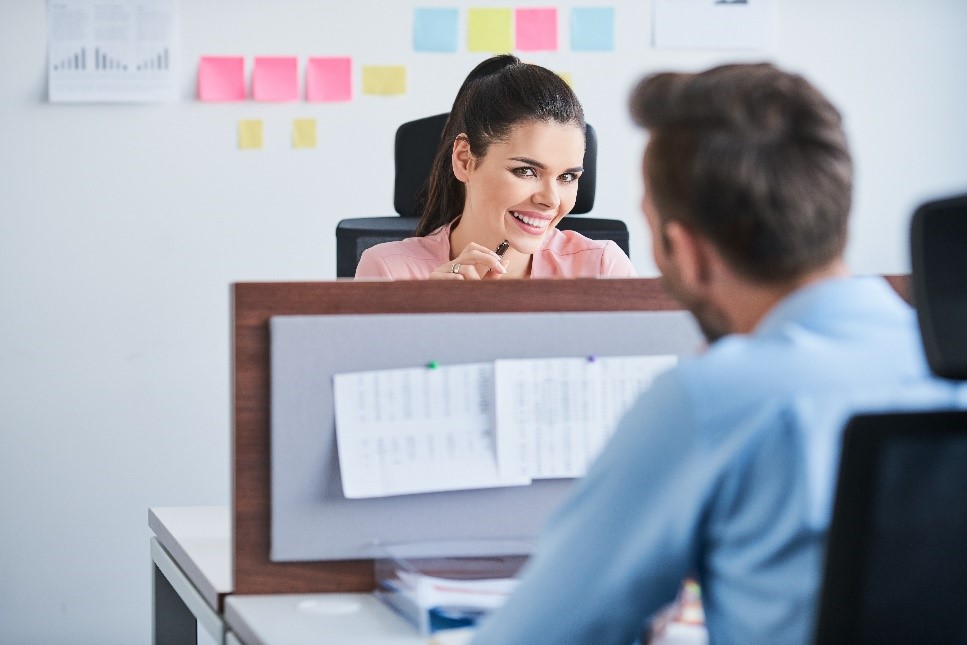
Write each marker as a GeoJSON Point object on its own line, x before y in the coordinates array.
{"type": "Point", "coordinates": [475, 262]}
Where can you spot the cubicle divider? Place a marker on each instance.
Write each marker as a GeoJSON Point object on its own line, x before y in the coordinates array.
{"type": "Point", "coordinates": [254, 571]}
{"type": "Point", "coordinates": [255, 303]}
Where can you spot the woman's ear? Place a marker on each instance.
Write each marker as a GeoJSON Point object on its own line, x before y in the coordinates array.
{"type": "Point", "coordinates": [461, 158]}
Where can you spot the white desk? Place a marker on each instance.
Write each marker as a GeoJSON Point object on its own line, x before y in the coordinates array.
{"type": "Point", "coordinates": [311, 619]}
{"type": "Point", "coordinates": [192, 556]}
{"type": "Point", "coordinates": [191, 552]}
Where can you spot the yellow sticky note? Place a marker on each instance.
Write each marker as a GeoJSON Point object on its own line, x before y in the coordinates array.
{"type": "Point", "coordinates": [250, 134]}
{"type": "Point", "coordinates": [303, 133]}
{"type": "Point", "coordinates": [384, 79]}
{"type": "Point", "coordinates": [490, 30]}
{"type": "Point", "coordinates": [567, 78]}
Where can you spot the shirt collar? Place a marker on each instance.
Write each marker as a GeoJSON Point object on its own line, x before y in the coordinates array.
{"type": "Point", "coordinates": [827, 300]}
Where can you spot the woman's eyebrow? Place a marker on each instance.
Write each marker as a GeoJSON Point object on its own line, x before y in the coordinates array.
{"type": "Point", "coordinates": [538, 164]}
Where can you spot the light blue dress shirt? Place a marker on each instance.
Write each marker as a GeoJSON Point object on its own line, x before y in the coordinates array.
{"type": "Point", "coordinates": [725, 468]}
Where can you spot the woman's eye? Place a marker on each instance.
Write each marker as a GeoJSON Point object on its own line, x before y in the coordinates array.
{"type": "Point", "coordinates": [525, 172]}
{"type": "Point", "coordinates": [568, 177]}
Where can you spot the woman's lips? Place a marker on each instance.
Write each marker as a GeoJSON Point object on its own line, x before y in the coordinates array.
{"type": "Point", "coordinates": [530, 222]}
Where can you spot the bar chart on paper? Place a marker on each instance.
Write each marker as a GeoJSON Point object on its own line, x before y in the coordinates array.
{"type": "Point", "coordinates": [76, 61]}
{"type": "Point", "coordinates": [112, 50]}
{"type": "Point", "coordinates": [157, 62]}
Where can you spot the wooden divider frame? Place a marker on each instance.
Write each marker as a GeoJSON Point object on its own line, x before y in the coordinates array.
{"type": "Point", "coordinates": [254, 303]}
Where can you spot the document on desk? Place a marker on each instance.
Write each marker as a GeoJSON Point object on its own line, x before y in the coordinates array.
{"type": "Point", "coordinates": [417, 430]}
{"type": "Point", "coordinates": [553, 416]}
{"type": "Point", "coordinates": [481, 425]}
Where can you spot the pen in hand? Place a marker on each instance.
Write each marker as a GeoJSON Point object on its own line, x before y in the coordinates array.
{"type": "Point", "coordinates": [502, 248]}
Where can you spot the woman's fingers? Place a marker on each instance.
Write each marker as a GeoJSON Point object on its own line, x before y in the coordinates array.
{"type": "Point", "coordinates": [474, 263]}
{"type": "Point", "coordinates": [483, 260]}
{"type": "Point", "coordinates": [493, 275]}
{"type": "Point", "coordinates": [452, 271]}
{"type": "Point", "coordinates": [456, 270]}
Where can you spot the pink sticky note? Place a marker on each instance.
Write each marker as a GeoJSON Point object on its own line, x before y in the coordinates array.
{"type": "Point", "coordinates": [329, 79]}
{"type": "Point", "coordinates": [221, 78]}
{"type": "Point", "coordinates": [536, 29]}
{"type": "Point", "coordinates": [275, 78]}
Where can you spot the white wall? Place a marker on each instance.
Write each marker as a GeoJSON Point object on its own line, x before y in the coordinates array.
{"type": "Point", "coordinates": [122, 226]}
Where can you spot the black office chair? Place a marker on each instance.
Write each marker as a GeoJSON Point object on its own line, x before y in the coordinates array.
{"type": "Point", "coordinates": [416, 144]}
{"type": "Point", "coordinates": [896, 559]}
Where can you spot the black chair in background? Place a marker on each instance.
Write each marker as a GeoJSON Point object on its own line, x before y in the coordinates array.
{"type": "Point", "coordinates": [416, 144]}
{"type": "Point", "coordinates": [896, 559]}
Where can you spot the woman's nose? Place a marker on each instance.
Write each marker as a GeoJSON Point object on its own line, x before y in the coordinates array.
{"type": "Point", "coordinates": [548, 195]}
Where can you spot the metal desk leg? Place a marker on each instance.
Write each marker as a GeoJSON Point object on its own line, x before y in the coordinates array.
{"type": "Point", "coordinates": [174, 624]}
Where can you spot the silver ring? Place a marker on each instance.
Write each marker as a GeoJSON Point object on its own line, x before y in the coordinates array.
{"type": "Point", "coordinates": [455, 268]}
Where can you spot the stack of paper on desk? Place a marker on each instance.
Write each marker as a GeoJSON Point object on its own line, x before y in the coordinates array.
{"type": "Point", "coordinates": [457, 595]}
{"type": "Point", "coordinates": [481, 425]}
{"type": "Point", "coordinates": [446, 593]}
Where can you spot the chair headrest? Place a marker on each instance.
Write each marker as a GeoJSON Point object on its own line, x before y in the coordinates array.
{"type": "Point", "coordinates": [938, 253]}
{"type": "Point", "coordinates": [416, 144]}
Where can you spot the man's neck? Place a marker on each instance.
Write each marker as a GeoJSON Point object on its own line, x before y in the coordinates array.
{"type": "Point", "coordinates": [746, 303]}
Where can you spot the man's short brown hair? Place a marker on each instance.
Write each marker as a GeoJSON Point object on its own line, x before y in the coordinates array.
{"type": "Point", "coordinates": [753, 158]}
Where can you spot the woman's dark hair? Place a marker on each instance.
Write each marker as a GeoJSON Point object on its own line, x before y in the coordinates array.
{"type": "Point", "coordinates": [755, 159]}
{"type": "Point", "coordinates": [497, 95]}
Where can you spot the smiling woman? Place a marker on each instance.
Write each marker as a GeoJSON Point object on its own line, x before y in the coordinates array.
{"type": "Point", "coordinates": [506, 172]}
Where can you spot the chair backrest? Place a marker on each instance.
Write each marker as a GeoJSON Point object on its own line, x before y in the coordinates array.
{"type": "Point", "coordinates": [416, 145]}
{"type": "Point", "coordinates": [896, 553]}
{"type": "Point", "coordinates": [356, 234]}
{"type": "Point", "coordinates": [938, 245]}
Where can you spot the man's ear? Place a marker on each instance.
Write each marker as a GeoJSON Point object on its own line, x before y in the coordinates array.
{"type": "Point", "coordinates": [461, 158]}
{"type": "Point", "coordinates": [691, 253]}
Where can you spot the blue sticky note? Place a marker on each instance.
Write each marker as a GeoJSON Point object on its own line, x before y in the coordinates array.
{"type": "Point", "coordinates": [435, 30]}
{"type": "Point", "coordinates": [592, 29]}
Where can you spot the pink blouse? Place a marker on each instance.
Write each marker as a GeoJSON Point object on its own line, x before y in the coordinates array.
{"type": "Point", "coordinates": [565, 254]}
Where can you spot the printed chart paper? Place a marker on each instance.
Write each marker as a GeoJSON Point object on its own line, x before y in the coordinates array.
{"type": "Point", "coordinates": [553, 416]}
{"type": "Point", "coordinates": [481, 425]}
{"type": "Point", "coordinates": [416, 430]}
{"type": "Point", "coordinates": [112, 50]}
